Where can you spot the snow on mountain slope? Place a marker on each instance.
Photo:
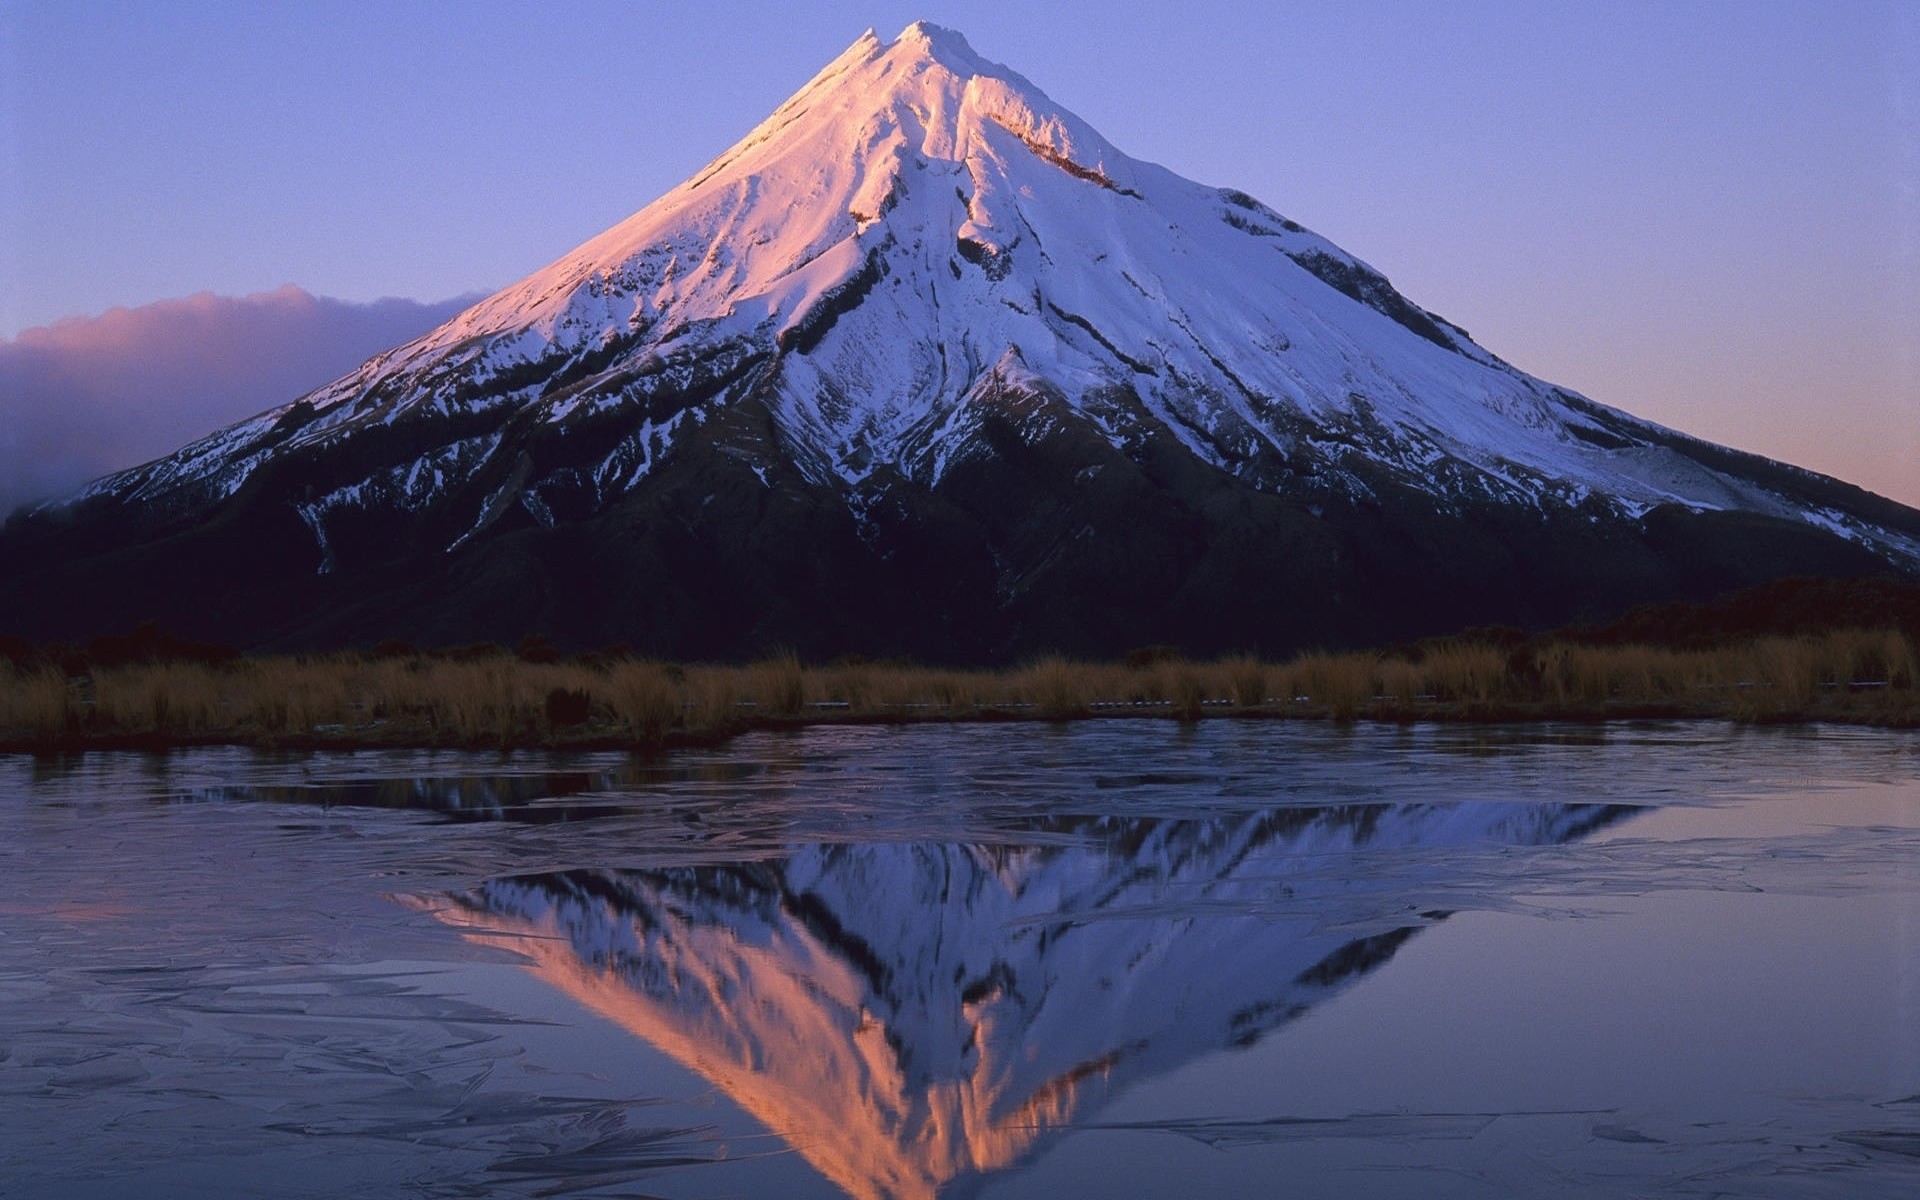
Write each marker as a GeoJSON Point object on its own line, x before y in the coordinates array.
{"type": "Point", "coordinates": [925, 366]}
{"type": "Point", "coordinates": [915, 225]}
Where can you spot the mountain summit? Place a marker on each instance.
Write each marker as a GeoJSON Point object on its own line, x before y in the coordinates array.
{"type": "Point", "coordinates": [925, 364]}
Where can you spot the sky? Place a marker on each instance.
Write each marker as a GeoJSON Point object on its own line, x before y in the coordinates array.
{"type": "Point", "coordinates": [1705, 213]}
{"type": "Point", "coordinates": [77, 396]}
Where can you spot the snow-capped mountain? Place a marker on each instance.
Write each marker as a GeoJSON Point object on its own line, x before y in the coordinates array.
{"type": "Point", "coordinates": [914, 1016]}
{"type": "Point", "coordinates": [924, 363]}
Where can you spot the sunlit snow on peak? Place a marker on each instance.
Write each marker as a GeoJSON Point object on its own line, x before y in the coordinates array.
{"type": "Point", "coordinates": [916, 214]}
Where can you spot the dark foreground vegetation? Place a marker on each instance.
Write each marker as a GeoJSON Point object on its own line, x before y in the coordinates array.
{"type": "Point", "coordinates": [1797, 651]}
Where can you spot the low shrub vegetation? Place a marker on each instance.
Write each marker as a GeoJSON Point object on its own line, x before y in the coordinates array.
{"type": "Point", "coordinates": [395, 695]}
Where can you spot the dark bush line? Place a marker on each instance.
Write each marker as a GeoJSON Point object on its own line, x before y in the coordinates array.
{"type": "Point", "coordinates": [1784, 608]}
{"type": "Point", "coordinates": [145, 644]}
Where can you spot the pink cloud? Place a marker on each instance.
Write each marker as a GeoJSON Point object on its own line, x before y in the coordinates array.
{"type": "Point", "coordinates": [90, 395]}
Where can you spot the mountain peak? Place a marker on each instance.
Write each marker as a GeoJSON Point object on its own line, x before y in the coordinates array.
{"type": "Point", "coordinates": [937, 41]}
{"type": "Point", "coordinates": [921, 42]}
{"type": "Point", "coordinates": [922, 288]}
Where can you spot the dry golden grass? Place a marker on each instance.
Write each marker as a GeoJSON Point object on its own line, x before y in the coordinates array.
{"type": "Point", "coordinates": [166, 700]}
{"type": "Point", "coordinates": [777, 685]}
{"type": "Point", "coordinates": [1338, 683]}
{"type": "Point", "coordinates": [643, 698]}
{"type": "Point", "coordinates": [1866, 675]}
{"type": "Point", "coordinates": [286, 696]}
{"type": "Point", "coordinates": [1054, 687]}
{"type": "Point", "coordinates": [1463, 672]}
{"type": "Point", "coordinates": [1246, 678]}
{"type": "Point", "coordinates": [39, 703]}
{"type": "Point", "coordinates": [1401, 683]}
{"type": "Point", "coordinates": [713, 699]}
{"type": "Point", "coordinates": [1184, 687]}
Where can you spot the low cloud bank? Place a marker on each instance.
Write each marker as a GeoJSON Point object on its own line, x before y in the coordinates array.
{"type": "Point", "coordinates": [91, 395]}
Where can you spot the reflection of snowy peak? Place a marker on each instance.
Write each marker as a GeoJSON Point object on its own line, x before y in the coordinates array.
{"type": "Point", "coordinates": [915, 1015]}
{"type": "Point", "coordinates": [918, 275]}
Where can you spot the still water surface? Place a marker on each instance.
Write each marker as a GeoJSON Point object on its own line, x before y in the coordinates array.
{"type": "Point", "coordinates": [1106, 959]}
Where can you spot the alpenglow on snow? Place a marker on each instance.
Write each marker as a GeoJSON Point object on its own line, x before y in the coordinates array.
{"type": "Point", "coordinates": [924, 339]}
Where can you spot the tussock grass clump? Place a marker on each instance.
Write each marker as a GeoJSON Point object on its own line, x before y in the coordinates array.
{"type": "Point", "coordinates": [38, 702]}
{"type": "Point", "coordinates": [284, 695]}
{"type": "Point", "coordinates": [851, 684]}
{"type": "Point", "coordinates": [1055, 688]}
{"type": "Point", "coordinates": [1464, 672]}
{"type": "Point", "coordinates": [1183, 687]}
{"type": "Point", "coordinates": [1401, 684]}
{"type": "Point", "coordinates": [644, 699]}
{"type": "Point", "coordinates": [473, 700]}
{"type": "Point", "coordinates": [1246, 680]}
{"type": "Point", "coordinates": [713, 699]}
{"type": "Point", "coordinates": [777, 685]}
{"type": "Point", "coordinates": [1338, 683]}
{"type": "Point", "coordinates": [170, 700]}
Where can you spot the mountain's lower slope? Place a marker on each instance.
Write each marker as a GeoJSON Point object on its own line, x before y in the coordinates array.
{"type": "Point", "coordinates": [1048, 540]}
{"type": "Point", "coordinates": [925, 365]}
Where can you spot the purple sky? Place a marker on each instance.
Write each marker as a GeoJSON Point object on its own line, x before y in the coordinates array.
{"type": "Point", "coordinates": [1707, 214]}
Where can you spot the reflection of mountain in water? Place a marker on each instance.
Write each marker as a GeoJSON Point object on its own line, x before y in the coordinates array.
{"type": "Point", "coordinates": [911, 1016]}
{"type": "Point", "coordinates": [534, 797]}
{"type": "Point", "coordinates": [629, 787]}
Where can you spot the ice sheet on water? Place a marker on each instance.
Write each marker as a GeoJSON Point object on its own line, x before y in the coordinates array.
{"type": "Point", "coordinates": [203, 964]}
{"type": "Point", "coordinates": [295, 1081]}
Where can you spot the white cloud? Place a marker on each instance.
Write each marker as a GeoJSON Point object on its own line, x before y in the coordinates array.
{"type": "Point", "coordinates": [91, 395]}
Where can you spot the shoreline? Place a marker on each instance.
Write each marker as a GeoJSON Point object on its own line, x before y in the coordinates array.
{"type": "Point", "coordinates": [351, 702]}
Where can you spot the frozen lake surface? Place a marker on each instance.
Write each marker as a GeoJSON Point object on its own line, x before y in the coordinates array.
{"type": "Point", "coordinates": [1120, 958]}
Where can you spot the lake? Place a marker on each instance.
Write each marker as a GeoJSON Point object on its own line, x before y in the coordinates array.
{"type": "Point", "coordinates": [1109, 958]}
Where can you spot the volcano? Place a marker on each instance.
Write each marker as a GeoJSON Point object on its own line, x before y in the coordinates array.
{"type": "Point", "coordinates": [924, 365]}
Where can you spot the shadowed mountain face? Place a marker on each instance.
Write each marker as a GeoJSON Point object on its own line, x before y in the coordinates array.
{"type": "Point", "coordinates": [912, 1017]}
{"type": "Point", "coordinates": [925, 365]}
